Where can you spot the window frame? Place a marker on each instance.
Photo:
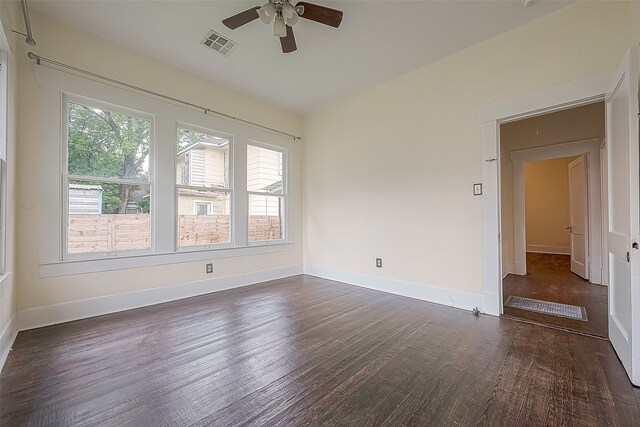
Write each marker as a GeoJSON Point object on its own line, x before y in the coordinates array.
{"type": "Point", "coordinates": [66, 177]}
{"type": "Point", "coordinates": [51, 117]}
{"type": "Point", "coordinates": [197, 203]}
{"type": "Point", "coordinates": [284, 195]}
{"type": "Point", "coordinates": [214, 189]}
{"type": "Point", "coordinates": [4, 123]}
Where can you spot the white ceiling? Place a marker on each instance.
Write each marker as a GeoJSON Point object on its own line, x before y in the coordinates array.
{"type": "Point", "coordinates": [377, 41]}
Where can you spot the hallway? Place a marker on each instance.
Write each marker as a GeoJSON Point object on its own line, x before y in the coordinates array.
{"type": "Point", "coordinates": [550, 278]}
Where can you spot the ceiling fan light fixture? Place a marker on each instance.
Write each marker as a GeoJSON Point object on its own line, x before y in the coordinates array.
{"type": "Point", "coordinates": [290, 14]}
{"type": "Point", "coordinates": [279, 27]}
{"type": "Point", "coordinates": [266, 13]}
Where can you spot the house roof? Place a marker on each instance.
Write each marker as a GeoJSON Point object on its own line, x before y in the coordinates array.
{"type": "Point", "coordinates": [84, 187]}
{"type": "Point", "coordinates": [275, 188]}
{"type": "Point", "coordinates": [214, 142]}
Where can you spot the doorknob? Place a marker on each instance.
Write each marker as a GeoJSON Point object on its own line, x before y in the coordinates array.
{"type": "Point", "coordinates": [568, 227]}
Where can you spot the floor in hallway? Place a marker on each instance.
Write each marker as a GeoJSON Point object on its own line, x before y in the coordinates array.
{"type": "Point", "coordinates": [550, 278]}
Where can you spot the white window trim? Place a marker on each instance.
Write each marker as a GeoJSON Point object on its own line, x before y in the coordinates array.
{"type": "Point", "coordinates": [53, 84]}
{"type": "Point", "coordinates": [213, 189]}
{"type": "Point", "coordinates": [4, 102]}
{"type": "Point", "coordinates": [204, 203]}
{"type": "Point", "coordinates": [4, 123]}
{"type": "Point", "coordinates": [68, 98]}
{"type": "Point", "coordinates": [284, 195]}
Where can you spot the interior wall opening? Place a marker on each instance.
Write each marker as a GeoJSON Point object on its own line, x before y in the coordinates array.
{"type": "Point", "coordinates": [552, 220]}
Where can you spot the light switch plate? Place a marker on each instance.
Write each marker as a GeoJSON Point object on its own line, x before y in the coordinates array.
{"type": "Point", "coordinates": [477, 189]}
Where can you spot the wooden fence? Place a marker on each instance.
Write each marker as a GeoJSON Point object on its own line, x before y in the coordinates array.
{"type": "Point", "coordinates": [118, 232]}
{"type": "Point", "coordinates": [103, 233]}
{"type": "Point", "coordinates": [203, 230]}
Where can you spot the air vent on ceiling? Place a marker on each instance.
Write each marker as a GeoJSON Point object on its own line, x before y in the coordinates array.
{"type": "Point", "coordinates": [219, 43]}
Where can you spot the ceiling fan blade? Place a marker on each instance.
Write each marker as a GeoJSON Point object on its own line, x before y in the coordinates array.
{"type": "Point", "coordinates": [288, 42]}
{"type": "Point", "coordinates": [241, 18]}
{"type": "Point", "coordinates": [321, 14]}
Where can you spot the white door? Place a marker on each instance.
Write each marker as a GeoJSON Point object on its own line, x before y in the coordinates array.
{"type": "Point", "coordinates": [624, 220]}
{"type": "Point", "coordinates": [579, 217]}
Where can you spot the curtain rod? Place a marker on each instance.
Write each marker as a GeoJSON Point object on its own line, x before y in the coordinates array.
{"type": "Point", "coordinates": [27, 24]}
{"type": "Point", "coordinates": [206, 110]}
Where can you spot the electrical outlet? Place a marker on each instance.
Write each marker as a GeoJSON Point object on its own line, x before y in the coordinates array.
{"type": "Point", "coordinates": [209, 268]}
{"type": "Point", "coordinates": [379, 262]}
{"type": "Point", "coordinates": [477, 189]}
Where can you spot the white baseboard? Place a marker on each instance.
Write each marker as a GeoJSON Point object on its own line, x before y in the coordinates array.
{"type": "Point", "coordinates": [507, 268]}
{"type": "Point", "coordinates": [519, 268]}
{"type": "Point", "coordinates": [492, 304]}
{"type": "Point", "coordinates": [458, 299]}
{"type": "Point", "coordinates": [555, 250]}
{"type": "Point", "coordinates": [31, 318]}
{"type": "Point", "coordinates": [7, 338]}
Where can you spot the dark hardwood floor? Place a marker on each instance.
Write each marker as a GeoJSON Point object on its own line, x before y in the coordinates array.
{"type": "Point", "coordinates": [308, 351]}
{"type": "Point", "coordinates": [549, 278]}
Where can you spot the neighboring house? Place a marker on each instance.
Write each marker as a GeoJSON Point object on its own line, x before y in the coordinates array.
{"type": "Point", "coordinates": [85, 199]}
{"type": "Point", "coordinates": [203, 164]}
{"type": "Point", "coordinates": [264, 174]}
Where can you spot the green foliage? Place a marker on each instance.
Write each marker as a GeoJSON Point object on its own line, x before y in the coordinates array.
{"type": "Point", "coordinates": [143, 204]}
{"type": "Point", "coordinates": [104, 143]}
{"type": "Point", "coordinates": [188, 137]}
{"type": "Point", "coordinates": [111, 202]}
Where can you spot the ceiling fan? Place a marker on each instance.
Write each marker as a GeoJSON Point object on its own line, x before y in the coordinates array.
{"type": "Point", "coordinates": [285, 15]}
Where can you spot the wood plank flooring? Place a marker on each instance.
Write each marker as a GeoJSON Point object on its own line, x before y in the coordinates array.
{"type": "Point", "coordinates": [307, 351]}
{"type": "Point", "coordinates": [549, 278]}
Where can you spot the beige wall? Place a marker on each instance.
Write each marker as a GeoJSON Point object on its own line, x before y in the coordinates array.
{"type": "Point", "coordinates": [576, 124]}
{"type": "Point", "coordinates": [84, 50]}
{"type": "Point", "coordinates": [547, 205]}
{"type": "Point", "coordinates": [389, 172]}
{"type": "Point", "coordinates": [404, 153]}
{"type": "Point", "coordinates": [9, 16]}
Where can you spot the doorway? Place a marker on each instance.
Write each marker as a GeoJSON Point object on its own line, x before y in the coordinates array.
{"type": "Point", "coordinates": [551, 212]}
{"type": "Point", "coordinates": [552, 224]}
{"type": "Point", "coordinates": [619, 241]}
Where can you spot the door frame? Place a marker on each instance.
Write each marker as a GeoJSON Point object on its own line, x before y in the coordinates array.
{"type": "Point", "coordinates": [591, 149]}
{"type": "Point", "coordinates": [557, 98]}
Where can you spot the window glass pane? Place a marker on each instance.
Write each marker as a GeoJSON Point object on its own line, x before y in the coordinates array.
{"type": "Point", "coordinates": [105, 217]}
{"type": "Point", "coordinates": [265, 217]}
{"type": "Point", "coordinates": [203, 159]}
{"type": "Point", "coordinates": [3, 216]}
{"type": "Point", "coordinates": [264, 170]}
{"type": "Point", "coordinates": [203, 217]}
{"type": "Point", "coordinates": [104, 143]}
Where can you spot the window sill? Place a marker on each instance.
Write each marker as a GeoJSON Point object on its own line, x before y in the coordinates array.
{"type": "Point", "coordinates": [67, 268]}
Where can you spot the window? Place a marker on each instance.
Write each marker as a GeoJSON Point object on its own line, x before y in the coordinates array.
{"type": "Point", "coordinates": [202, 208]}
{"type": "Point", "coordinates": [267, 194]}
{"type": "Point", "coordinates": [203, 188]}
{"type": "Point", "coordinates": [3, 216]}
{"type": "Point", "coordinates": [107, 180]}
{"type": "Point", "coordinates": [132, 181]}
{"type": "Point", "coordinates": [4, 104]}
